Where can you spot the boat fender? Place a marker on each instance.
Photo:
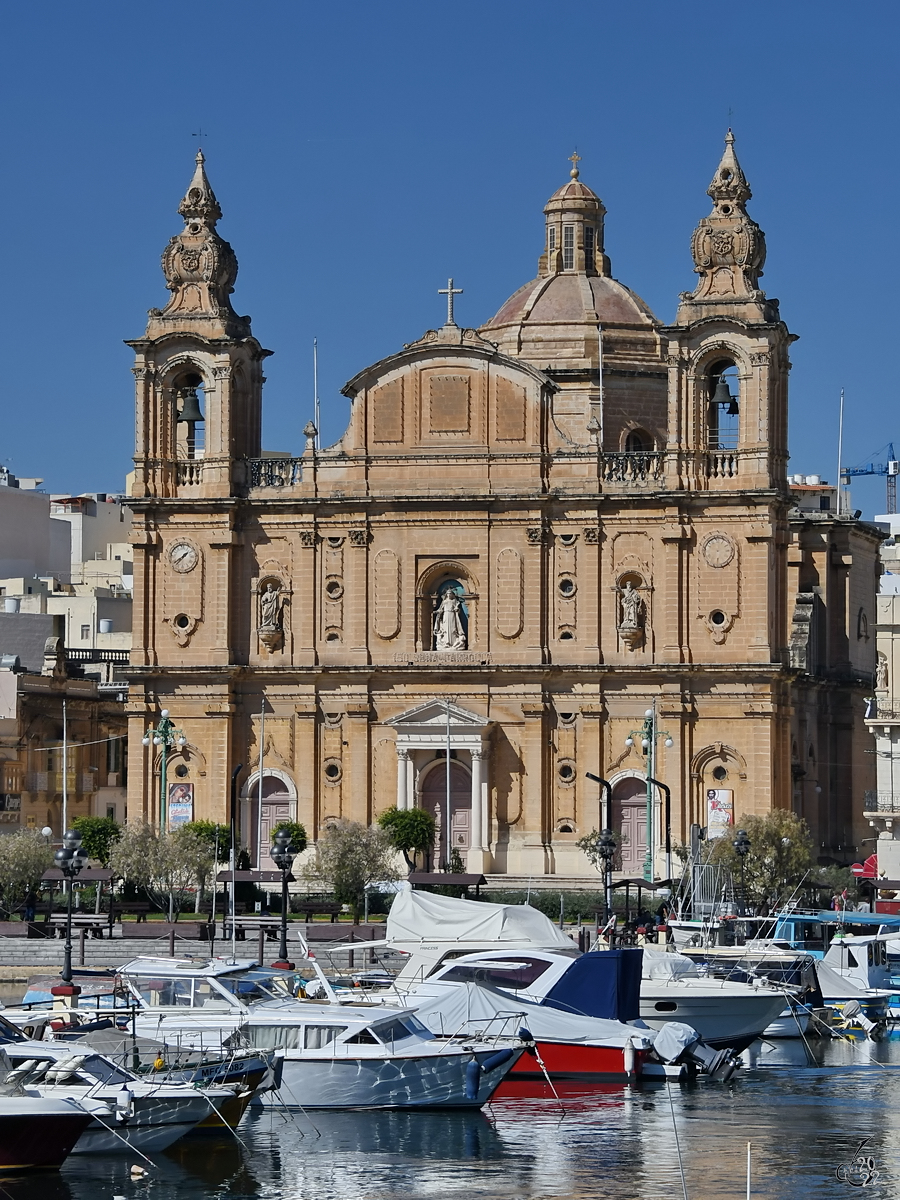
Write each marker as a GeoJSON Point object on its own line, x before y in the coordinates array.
{"type": "Point", "coordinates": [526, 1035]}
{"type": "Point", "coordinates": [473, 1080]}
{"type": "Point", "coordinates": [500, 1059]}
{"type": "Point", "coordinates": [124, 1103]}
{"type": "Point", "coordinates": [628, 1055]}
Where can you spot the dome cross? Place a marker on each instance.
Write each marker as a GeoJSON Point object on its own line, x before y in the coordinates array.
{"type": "Point", "coordinates": [574, 159]}
{"type": "Point", "coordinates": [450, 291]}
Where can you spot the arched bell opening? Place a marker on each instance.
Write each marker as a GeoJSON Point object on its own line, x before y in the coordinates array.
{"type": "Point", "coordinates": [724, 411]}
{"type": "Point", "coordinates": [190, 421]}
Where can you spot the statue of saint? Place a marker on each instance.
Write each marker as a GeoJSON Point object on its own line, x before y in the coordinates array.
{"type": "Point", "coordinates": [881, 674]}
{"type": "Point", "coordinates": [448, 627]}
{"type": "Point", "coordinates": [632, 607]}
{"type": "Point", "coordinates": [270, 608]}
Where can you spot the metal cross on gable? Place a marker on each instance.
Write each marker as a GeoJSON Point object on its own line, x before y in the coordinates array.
{"type": "Point", "coordinates": [450, 291]}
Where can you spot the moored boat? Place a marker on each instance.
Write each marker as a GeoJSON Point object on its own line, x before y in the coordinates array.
{"type": "Point", "coordinates": [38, 1132]}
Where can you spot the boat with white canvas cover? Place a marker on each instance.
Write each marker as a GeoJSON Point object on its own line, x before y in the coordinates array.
{"type": "Point", "coordinates": [334, 1056]}
{"type": "Point", "coordinates": [464, 940]}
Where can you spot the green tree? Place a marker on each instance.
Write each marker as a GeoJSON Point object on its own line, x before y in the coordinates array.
{"type": "Point", "coordinates": [216, 837]}
{"type": "Point", "coordinates": [779, 859]}
{"type": "Point", "coordinates": [98, 835]}
{"type": "Point", "coordinates": [349, 857]}
{"type": "Point", "coordinates": [297, 832]}
{"type": "Point", "coordinates": [24, 857]}
{"type": "Point", "coordinates": [411, 831]}
{"type": "Point", "coordinates": [166, 865]}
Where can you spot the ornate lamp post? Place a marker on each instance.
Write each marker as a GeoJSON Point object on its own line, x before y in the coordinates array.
{"type": "Point", "coordinates": [70, 859]}
{"type": "Point", "coordinates": [166, 736]}
{"type": "Point", "coordinates": [648, 733]}
{"type": "Point", "coordinates": [283, 856]}
{"type": "Point", "coordinates": [606, 848]}
{"type": "Point", "coordinates": [742, 846]}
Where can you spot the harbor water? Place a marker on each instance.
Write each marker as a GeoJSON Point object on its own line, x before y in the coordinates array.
{"type": "Point", "coordinates": [805, 1111]}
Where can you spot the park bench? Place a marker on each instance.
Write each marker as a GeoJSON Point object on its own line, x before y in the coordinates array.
{"type": "Point", "coordinates": [93, 923]}
{"type": "Point", "coordinates": [196, 931]}
{"type": "Point", "coordinates": [139, 909]}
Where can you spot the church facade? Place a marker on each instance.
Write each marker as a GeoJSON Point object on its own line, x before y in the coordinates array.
{"type": "Point", "coordinates": [530, 536]}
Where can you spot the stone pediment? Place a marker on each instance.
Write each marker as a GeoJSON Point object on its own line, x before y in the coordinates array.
{"type": "Point", "coordinates": [432, 717]}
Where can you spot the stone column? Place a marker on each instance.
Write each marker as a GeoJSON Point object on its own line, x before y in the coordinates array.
{"type": "Point", "coordinates": [477, 819]}
{"type": "Point", "coordinates": [402, 778]}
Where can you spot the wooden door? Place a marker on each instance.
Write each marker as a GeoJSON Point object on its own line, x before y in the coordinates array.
{"type": "Point", "coordinates": [434, 800]}
{"type": "Point", "coordinates": [630, 824]}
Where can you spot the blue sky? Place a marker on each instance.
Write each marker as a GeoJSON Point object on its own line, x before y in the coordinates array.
{"type": "Point", "coordinates": [363, 152]}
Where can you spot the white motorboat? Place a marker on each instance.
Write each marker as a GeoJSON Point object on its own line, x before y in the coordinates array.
{"type": "Point", "coordinates": [37, 1133]}
{"type": "Point", "coordinates": [519, 950]}
{"type": "Point", "coordinates": [126, 1112]}
{"type": "Point", "coordinates": [335, 1055]}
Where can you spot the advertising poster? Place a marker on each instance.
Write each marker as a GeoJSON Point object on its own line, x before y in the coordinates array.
{"type": "Point", "coordinates": [181, 804]}
{"type": "Point", "coordinates": [719, 812]}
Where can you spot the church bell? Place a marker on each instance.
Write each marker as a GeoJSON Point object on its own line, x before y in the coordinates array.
{"type": "Point", "coordinates": [190, 405]}
{"type": "Point", "coordinates": [724, 397]}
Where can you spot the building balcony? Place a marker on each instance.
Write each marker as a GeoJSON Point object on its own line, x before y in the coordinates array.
{"type": "Point", "coordinates": [882, 712]}
{"type": "Point", "coordinates": [881, 804]}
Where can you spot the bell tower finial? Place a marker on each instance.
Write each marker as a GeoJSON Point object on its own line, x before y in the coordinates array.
{"type": "Point", "coordinates": [728, 247]}
{"type": "Point", "coordinates": [200, 269]}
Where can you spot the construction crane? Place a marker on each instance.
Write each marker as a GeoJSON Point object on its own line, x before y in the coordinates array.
{"type": "Point", "coordinates": [890, 468]}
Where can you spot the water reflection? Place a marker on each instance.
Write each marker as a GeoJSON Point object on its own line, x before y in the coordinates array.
{"type": "Point", "coordinates": [804, 1111]}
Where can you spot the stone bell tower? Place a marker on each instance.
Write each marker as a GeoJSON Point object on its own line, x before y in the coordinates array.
{"type": "Point", "coordinates": [198, 371]}
{"type": "Point", "coordinates": [728, 353]}
{"type": "Point", "coordinates": [198, 367]}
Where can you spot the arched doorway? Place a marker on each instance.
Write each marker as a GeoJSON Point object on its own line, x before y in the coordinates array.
{"type": "Point", "coordinates": [629, 822]}
{"type": "Point", "coordinates": [434, 801]}
{"type": "Point", "coordinates": [263, 814]}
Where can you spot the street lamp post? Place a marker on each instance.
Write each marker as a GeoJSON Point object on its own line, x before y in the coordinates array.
{"type": "Point", "coordinates": [606, 848]}
{"type": "Point", "coordinates": [283, 856]}
{"type": "Point", "coordinates": [70, 859]}
{"type": "Point", "coordinates": [648, 733]}
{"type": "Point", "coordinates": [742, 846]}
{"type": "Point", "coordinates": [166, 736]}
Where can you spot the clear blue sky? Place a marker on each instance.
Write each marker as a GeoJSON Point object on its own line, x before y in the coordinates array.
{"type": "Point", "coordinates": [362, 152]}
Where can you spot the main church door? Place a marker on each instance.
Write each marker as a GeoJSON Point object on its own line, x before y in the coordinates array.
{"type": "Point", "coordinates": [630, 823]}
{"type": "Point", "coordinates": [434, 800]}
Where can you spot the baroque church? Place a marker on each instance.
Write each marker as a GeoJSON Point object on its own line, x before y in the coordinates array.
{"type": "Point", "coordinates": [531, 536]}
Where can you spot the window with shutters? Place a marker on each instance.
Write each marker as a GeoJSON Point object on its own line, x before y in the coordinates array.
{"type": "Point", "coordinates": [589, 247]}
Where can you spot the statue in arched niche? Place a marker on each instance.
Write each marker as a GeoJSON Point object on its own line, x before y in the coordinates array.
{"type": "Point", "coordinates": [271, 613]}
{"type": "Point", "coordinates": [881, 673]}
{"type": "Point", "coordinates": [448, 626]}
{"type": "Point", "coordinates": [632, 614]}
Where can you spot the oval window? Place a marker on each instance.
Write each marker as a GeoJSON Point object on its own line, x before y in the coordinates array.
{"type": "Point", "coordinates": [666, 1006]}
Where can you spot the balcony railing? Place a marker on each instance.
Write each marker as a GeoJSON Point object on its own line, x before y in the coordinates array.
{"type": "Point", "coordinates": [722, 464]}
{"type": "Point", "coordinates": [274, 472]}
{"type": "Point", "coordinates": [881, 802]}
{"type": "Point", "coordinates": [188, 471]}
{"type": "Point", "coordinates": [88, 655]}
{"type": "Point", "coordinates": [883, 712]}
{"type": "Point", "coordinates": [636, 467]}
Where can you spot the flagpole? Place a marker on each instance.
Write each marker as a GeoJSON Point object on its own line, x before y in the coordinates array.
{"type": "Point", "coordinates": [840, 454]}
{"type": "Point", "coordinates": [316, 388]}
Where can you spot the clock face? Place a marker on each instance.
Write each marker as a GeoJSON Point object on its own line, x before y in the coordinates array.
{"type": "Point", "coordinates": [718, 552]}
{"type": "Point", "coordinates": [183, 556]}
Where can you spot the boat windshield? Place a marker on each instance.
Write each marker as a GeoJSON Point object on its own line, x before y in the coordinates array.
{"type": "Point", "coordinates": [9, 1033]}
{"type": "Point", "coordinates": [258, 984]}
{"type": "Point", "coordinates": [178, 993]}
{"type": "Point", "coordinates": [400, 1029]}
{"type": "Point", "coordinates": [513, 973]}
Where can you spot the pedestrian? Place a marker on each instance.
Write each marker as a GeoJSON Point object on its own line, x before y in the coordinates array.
{"type": "Point", "coordinates": [30, 906]}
